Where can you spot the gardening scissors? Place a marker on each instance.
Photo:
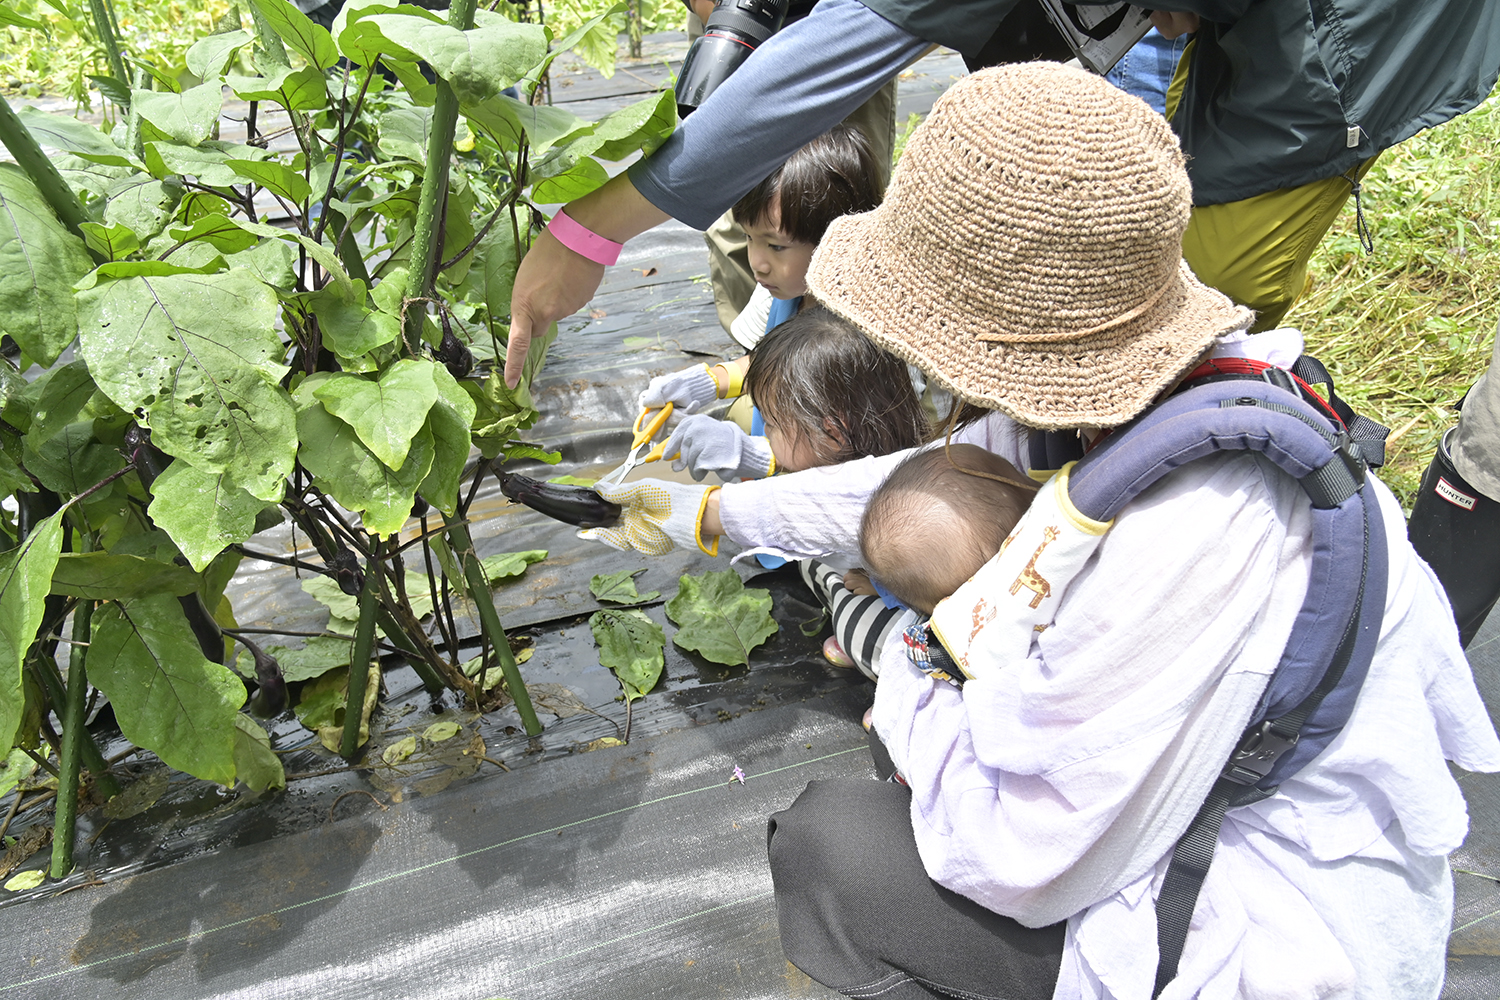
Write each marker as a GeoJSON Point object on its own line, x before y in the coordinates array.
{"type": "Point", "coordinates": [646, 427]}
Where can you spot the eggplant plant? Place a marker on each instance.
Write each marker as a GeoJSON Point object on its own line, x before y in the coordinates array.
{"type": "Point", "coordinates": [206, 338]}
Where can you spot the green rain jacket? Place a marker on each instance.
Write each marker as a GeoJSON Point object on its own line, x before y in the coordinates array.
{"type": "Point", "coordinates": [1281, 93]}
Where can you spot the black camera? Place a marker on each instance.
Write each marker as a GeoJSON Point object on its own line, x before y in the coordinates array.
{"type": "Point", "coordinates": [733, 31]}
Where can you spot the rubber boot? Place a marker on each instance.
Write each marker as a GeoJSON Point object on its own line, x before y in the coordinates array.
{"type": "Point", "coordinates": [1457, 530]}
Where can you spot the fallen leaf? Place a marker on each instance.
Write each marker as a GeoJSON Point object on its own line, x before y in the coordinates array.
{"type": "Point", "coordinates": [556, 699]}
{"type": "Point", "coordinates": [25, 846]}
{"type": "Point", "coordinates": [632, 646]}
{"type": "Point", "coordinates": [439, 731]}
{"type": "Point", "coordinates": [619, 588]}
{"type": "Point", "coordinates": [136, 799]}
{"type": "Point", "coordinates": [602, 742]}
{"type": "Point", "coordinates": [597, 314]}
{"type": "Point", "coordinates": [26, 880]}
{"type": "Point", "coordinates": [646, 272]}
{"type": "Point", "coordinates": [720, 618]}
{"type": "Point", "coordinates": [399, 751]}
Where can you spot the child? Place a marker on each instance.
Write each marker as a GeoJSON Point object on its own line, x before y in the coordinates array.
{"type": "Point", "coordinates": [784, 217]}
{"type": "Point", "coordinates": [826, 394]}
{"type": "Point", "coordinates": [939, 517]}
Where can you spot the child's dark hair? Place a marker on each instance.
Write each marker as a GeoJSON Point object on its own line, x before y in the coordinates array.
{"type": "Point", "coordinates": [833, 175]}
{"type": "Point", "coordinates": [816, 367]}
{"type": "Point", "coordinates": [938, 517]}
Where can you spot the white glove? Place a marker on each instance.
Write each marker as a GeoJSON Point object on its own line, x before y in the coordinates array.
{"type": "Point", "coordinates": [687, 390]}
{"type": "Point", "coordinates": [657, 517]}
{"type": "Point", "coordinates": [704, 444]}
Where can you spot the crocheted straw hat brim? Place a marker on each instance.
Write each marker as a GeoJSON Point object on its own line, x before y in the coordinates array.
{"type": "Point", "coordinates": [1028, 254]}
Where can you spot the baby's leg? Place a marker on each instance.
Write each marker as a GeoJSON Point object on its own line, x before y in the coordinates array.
{"type": "Point", "coordinates": [860, 624]}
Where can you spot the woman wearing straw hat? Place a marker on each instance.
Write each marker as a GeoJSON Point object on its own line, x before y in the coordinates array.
{"type": "Point", "coordinates": [1028, 258]}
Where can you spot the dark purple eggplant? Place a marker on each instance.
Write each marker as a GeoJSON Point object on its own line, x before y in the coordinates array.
{"type": "Point", "coordinates": [570, 504]}
{"type": "Point", "coordinates": [149, 460]}
{"type": "Point", "coordinates": [347, 571]}
{"type": "Point", "coordinates": [452, 352]}
{"type": "Point", "coordinates": [270, 699]}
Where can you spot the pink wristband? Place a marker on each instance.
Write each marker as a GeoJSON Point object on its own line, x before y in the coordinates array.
{"type": "Point", "coordinates": [582, 241]}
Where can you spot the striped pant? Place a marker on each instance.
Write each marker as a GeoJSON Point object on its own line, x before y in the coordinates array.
{"type": "Point", "coordinates": [860, 623]}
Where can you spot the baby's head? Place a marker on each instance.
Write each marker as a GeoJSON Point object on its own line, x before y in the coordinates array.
{"type": "Point", "coordinates": [827, 394]}
{"type": "Point", "coordinates": [785, 215]}
{"type": "Point", "coordinates": [933, 522]}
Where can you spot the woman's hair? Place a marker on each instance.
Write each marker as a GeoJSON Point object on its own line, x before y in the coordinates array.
{"type": "Point", "coordinates": [817, 367]}
{"type": "Point", "coordinates": [833, 175]}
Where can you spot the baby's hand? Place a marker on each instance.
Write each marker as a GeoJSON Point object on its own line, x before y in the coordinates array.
{"type": "Point", "coordinates": [858, 582]}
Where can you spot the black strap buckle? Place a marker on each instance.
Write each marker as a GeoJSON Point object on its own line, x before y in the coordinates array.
{"type": "Point", "coordinates": [1257, 753]}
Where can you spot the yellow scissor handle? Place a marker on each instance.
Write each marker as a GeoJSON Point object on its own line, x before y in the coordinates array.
{"type": "Point", "coordinates": [655, 454]}
{"type": "Point", "coordinates": [651, 428]}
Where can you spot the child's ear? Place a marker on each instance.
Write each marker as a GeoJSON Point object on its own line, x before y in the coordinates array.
{"type": "Point", "coordinates": [835, 431]}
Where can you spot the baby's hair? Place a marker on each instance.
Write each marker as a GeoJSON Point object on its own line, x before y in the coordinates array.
{"type": "Point", "coordinates": [833, 175]}
{"type": "Point", "coordinates": [818, 376]}
{"type": "Point", "coordinates": [938, 517]}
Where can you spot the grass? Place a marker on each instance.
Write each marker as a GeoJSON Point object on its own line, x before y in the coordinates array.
{"type": "Point", "coordinates": [1406, 330]}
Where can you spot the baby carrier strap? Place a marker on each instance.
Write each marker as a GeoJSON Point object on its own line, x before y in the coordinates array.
{"type": "Point", "coordinates": [1312, 693]}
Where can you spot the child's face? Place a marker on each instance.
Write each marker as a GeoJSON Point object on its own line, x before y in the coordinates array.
{"type": "Point", "coordinates": [778, 262]}
{"type": "Point", "coordinates": [793, 451]}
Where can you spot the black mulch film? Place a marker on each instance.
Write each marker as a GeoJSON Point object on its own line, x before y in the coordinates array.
{"type": "Point", "coordinates": [586, 870]}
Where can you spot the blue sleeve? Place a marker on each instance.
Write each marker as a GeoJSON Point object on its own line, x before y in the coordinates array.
{"type": "Point", "coordinates": [781, 311]}
{"type": "Point", "coordinates": [799, 84]}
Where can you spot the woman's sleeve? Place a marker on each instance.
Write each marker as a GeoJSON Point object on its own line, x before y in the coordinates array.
{"type": "Point", "coordinates": [1018, 776]}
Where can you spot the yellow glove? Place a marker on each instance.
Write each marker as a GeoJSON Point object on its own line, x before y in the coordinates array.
{"type": "Point", "coordinates": [657, 517]}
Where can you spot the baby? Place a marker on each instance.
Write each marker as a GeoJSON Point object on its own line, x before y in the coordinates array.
{"type": "Point", "coordinates": [937, 518]}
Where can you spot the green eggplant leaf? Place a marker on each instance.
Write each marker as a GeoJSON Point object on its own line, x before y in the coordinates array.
{"type": "Point", "coordinates": [208, 162]}
{"type": "Point", "coordinates": [477, 64]}
{"type": "Point", "coordinates": [141, 204]}
{"type": "Point", "coordinates": [204, 512]}
{"type": "Point", "coordinates": [321, 706]}
{"type": "Point", "coordinates": [631, 645]}
{"type": "Point", "coordinates": [720, 618]}
{"type": "Point", "coordinates": [188, 117]}
{"type": "Point", "coordinates": [578, 180]}
{"type": "Point", "coordinates": [10, 17]}
{"type": "Point", "coordinates": [449, 420]}
{"type": "Point", "coordinates": [299, 32]}
{"type": "Point", "coordinates": [25, 579]}
{"type": "Point", "coordinates": [388, 413]}
{"type": "Point", "coordinates": [167, 697]}
{"type": "Point", "coordinates": [199, 354]}
{"type": "Point", "coordinates": [351, 473]}
{"type": "Point", "coordinates": [39, 263]}
{"type": "Point", "coordinates": [325, 590]}
{"type": "Point", "coordinates": [350, 328]}
{"type": "Point", "coordinates": [271, 261]}
{"type": "Point", "coordinates": [104, 576]}
{"type": "Point", "coordinates": [507, 119]}
{"type": "Point", "coordinates": [504, 565]}
{"type": "Point", "coordinates": [209, 56]}
{"type": "Point", "coordinates": [72, 460]}
{"type": "Point", "coordinates": [73, 136]}
{"type": "Point", "coordinates": [303, 89]}
{"type": "Point", "coordinates": [403, 131]}
{"type": "Point", "coordinates": [219, 232]}
{"type": "Point", "coordinates": [254, 762]}
{"type": "Point", "coordinates": [619, 588]}
{"type": "Point", "coordinates": [321, 654]}
{"type": "Point", "coordinates": [351, 42]}
{"type": "Point", "coordinates": [62, 393]}
{"type": "Point", "coordinates": [276, 177]}
{"type": "Point", "coordinates": [114, 242]}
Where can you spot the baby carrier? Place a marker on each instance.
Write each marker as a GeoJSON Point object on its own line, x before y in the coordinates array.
{"type": "Point", "coordinates": [1240, 405]}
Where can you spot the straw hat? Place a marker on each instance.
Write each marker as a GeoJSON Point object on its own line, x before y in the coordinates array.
{"type": "Point", "coordinates": [1028, 254]}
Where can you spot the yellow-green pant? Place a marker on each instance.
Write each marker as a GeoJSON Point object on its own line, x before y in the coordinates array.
{"type": "Point", "coordinates": [1256, 250]}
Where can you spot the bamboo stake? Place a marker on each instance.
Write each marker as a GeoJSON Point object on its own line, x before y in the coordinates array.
{"type": "Point", "coordinates": [30, 158]}
{"type": "Point", "coordinates": [359, 662]}
{"type": "Point", "coordinates": [104, 25]}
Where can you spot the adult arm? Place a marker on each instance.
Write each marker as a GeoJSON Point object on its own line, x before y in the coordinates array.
{"type": "Point", "coordinates": [800, 83]}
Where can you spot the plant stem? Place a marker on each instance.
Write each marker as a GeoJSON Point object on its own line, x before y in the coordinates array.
{"type": "Point", "coordinates": [104, 25]}
{"type": "Point", "coordinates": [74, 736]}
{"type": "Point", "coordinates": [462, 546]}
{"type": "Point", "coordinates": [45, 669]}
{"type": "Point", "coordinates": [30, 158]}
{"type": "Point", "coordinates": [359, 661]}
{"type": "Point", "coordinates": [424, 249]}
